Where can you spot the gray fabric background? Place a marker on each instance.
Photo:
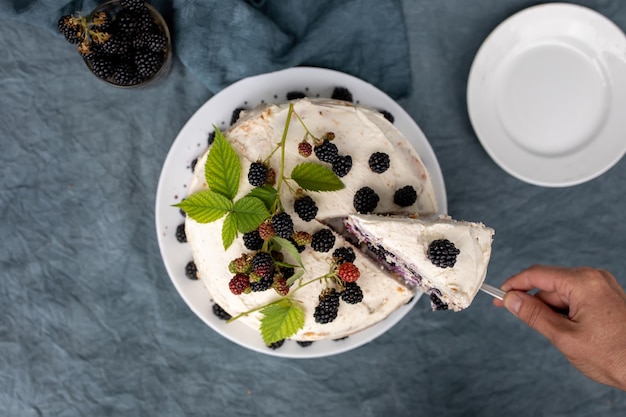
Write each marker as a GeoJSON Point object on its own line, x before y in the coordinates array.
{"type": "Point", "coordinates": [90, 324]}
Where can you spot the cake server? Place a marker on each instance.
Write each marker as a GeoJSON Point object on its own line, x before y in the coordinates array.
{"type": "Point", "coordinates": [492, 291]}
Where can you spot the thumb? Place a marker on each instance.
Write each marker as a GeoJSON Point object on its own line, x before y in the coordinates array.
{"type": "Point", "coordinates": [534, 312]}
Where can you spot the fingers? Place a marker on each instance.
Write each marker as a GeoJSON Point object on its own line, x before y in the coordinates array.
{"type": "Point", "coordinates": [547, 278]}
{"type": "Point", "coordinates": [535, 313]}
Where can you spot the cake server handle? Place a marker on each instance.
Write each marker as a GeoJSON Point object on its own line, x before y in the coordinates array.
{"type": "Point", "coordinates": [492, 291]}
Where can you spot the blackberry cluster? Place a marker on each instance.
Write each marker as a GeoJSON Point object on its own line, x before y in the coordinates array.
{"type": "Point", "coordinates": [326, 310]}
{"type": "Point", "coordinates": [352, 294]}
{"type": "Point", "coordinates": [191, 270]}
{"type": "Point", "coordinates": [181, 236]}
{"type": "Point", "coordinates": [342, 93]}
{"type": "Point", "coordinates": [124, 46]}
{"type": "Point", "coordinates": [344, 254]}
{"type": "Point", "coordinates": [221, 313]}
{"type": "Point", "coordinates": [305, 208]}
{"type": "Point", "coordinates": [252, 240]}
{"type": "Point", "coordinates": [405, 196]}
{"type": "Point", "coordinates": [263, 284]}
{"type": "Point", "coordinates": [257, 175]}
{"type": "Point", "coordinates": [379, 162]}
{"type": "Point", "coordinates": [341, 165]}
{"type": "Point", "coordinates": [437, 303]}
{"type": "Point", "coordinates": [283, 225]}
{"type": "Point", "coordinates": [442, 253]}
{"type": "Point", "coordinates": [365, 200]}
{"type": "Point", "coordinates": [323, 240]}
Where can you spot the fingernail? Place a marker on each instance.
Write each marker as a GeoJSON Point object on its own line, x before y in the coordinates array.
{"type": "Point", "coordinates": [512, 302]}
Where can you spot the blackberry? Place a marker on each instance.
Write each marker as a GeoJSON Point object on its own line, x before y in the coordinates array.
{"type": "Point", "coordinates": [405, 196]}
{"type": "Point", "coordinates": [125, 74]}
{"type": "Point", "coordinates": [71, 29]}
{"type": "Point", "coordinates": [342, 93]}
{"type": "Point", "coordinates": [344, 254]}
{"type": "Point", "coordinates": [379, 162]}
{"type": "Point", "coordinates": [326, 310]}
{"type": "Point", "coordinates": [302, 238]}
{"type": "Point", "coordinates": [266, 230]}
{"type": "Point", "coordinates": [304, 343]}
{"type": "Point", "coordinates": [352, 293]}
{"type": "Point", "coordinates": [235, 116]}
{"type": "Point", "coordinates": [326, 151]}
{"type": "Point", "coordinates": [263, 265]}
{"type": "Point", "coordinates": [280, 286]}
{"type": "Point", "coordinates": [117, 45]}
{"type": "Point", "coordinates": [276, 345]}
{"type": "Point", "coordinates": [252, 240]}
{"type": "Point", "coordinates": [348, 272]}
{"type": "Point", "coordinates": [342, 165]}
{"type": "Point", "coordinates": [181, 236]}
{"type": "Point", "coordinates": [151, 41]}
{"type": "Point", "coordinates": [102, 66]}
{"type": "Point", "coordinates": [221, 313]}
{"type": "Point", "coordinates": [241, 265]}
{"type": "Point", "coordinates": [287, 271]}
{"type": "Point", "coordinates": [148, 63]}
{"type": "Point", "coordinates": [323, 240]}
{"type": "Point", "coordinates": [387, 115]}
{"type": "Point", "coordinates": [132, 4]}
{"type": "Point", "coordinates": [239, 284]}
{"type": "Point", "coordinates": [436, 303]}
{"type": "Point", "coordinates": [442, 253]}
{"type": "Point", "coordinates": [126, 22]}
{"type": "Point", "coordinates": [263, 284]}
{"type": "Point", "coordinates": [257, 175]}
{"type": "Point", "coordinates": [283, 225]}
{"type": "Point", "coordinates": [305, 149]}
{"type": "Point", "coordinates": [293, 95]}
{"type": "Point", "coordinates": [365, 200]}
{"type": "Point", "coordinates": [191, 271]}
{"type": "Point", "coordinates": [305, 208]}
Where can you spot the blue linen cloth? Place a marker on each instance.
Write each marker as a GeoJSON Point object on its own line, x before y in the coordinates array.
{"type": "Point", "coordinates": [90, 324]}
{"type": "Point", "coordinates": [222, 41]}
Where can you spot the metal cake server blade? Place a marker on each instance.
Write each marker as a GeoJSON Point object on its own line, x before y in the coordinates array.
{"type": "Point", "coordinates": [492, 291]}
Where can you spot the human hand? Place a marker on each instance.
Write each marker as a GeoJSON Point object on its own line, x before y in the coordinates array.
{"type": "Point", "coordinates": [581, 311]}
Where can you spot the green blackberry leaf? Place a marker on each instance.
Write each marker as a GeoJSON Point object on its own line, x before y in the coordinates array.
{"type": "Point", "coordinates": [249, 213]}
{"type": "Point", "coordinates": [281, 320]}
{"type": "Point", "coordinates": [289, 248]}
{"type": "Point", "coordinates": [266, 194]}
{"type": "Point", "coordinates": [229, 230]}
{"type": "Point", "coordinates": [205, 206]}
{"type": "Point", "coordinates": [222, 169]}
{"type": "Point", "coordinates": [315, 177]}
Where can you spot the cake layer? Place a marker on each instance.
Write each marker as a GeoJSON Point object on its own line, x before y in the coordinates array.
{"type": "Point", "coordinates": [402, 244]}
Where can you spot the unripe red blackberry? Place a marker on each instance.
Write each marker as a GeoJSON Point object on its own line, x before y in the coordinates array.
{"type": "Point", "coordinates": [239, 284]}
{"type": "Point", "coordinates": [305, 149]}
{"type": "Point", "coordinates": [348, 272]}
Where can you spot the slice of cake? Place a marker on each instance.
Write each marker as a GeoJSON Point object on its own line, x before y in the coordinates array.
{"type": "Point", "coordinates": [446, 258]}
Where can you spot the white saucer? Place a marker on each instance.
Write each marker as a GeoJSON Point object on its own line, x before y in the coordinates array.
{"type": "Point", "coordinates": [191, 142]}
{"type": "Point", "coordinates": [546, 95]}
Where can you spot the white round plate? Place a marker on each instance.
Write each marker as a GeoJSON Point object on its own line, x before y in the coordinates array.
{"type": "Point", "coordinates": [546, 94]}
{"type": "Point", "coordinates": [192, 141]}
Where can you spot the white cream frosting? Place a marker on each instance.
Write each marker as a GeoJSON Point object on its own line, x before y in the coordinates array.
{"type": "Point", "coordinates": [408, 238]}
{"type": "Point", "coordinates": [358, 132]}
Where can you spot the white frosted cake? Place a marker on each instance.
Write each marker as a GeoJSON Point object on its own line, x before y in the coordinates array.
{"type": "Point", "coordinates": [446, 258]}
{"type": "Point", "coordinates": [337, 290]}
